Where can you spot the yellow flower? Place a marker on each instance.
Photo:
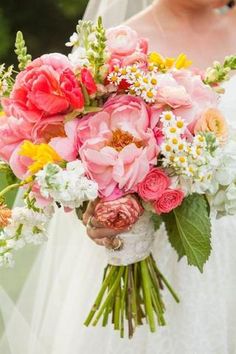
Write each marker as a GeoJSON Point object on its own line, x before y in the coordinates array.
{"type": "Point", "coordinates": [161, 62]}
{"type": "Point", "coordinates": [41, 155]}
{"type": "Point", "coordinates": [182, 62]}
{"type": "Point", "coordinates": [2, 114]}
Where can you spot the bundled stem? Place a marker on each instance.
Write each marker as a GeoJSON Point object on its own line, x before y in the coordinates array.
{"type": "Point", "coordinates": [130, 294]}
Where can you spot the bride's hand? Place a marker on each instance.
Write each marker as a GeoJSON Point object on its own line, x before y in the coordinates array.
{"type": "Point", "coordinates": [96, 231]}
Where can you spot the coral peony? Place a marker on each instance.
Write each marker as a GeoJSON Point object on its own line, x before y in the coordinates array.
{"type": "Point", "coordinates": [46, 87]}
{"type": "Point", "coordinates": [117, 145]}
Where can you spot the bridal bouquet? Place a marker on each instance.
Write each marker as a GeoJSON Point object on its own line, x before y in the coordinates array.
{"type": "Point", "coordinates": [138, 134]}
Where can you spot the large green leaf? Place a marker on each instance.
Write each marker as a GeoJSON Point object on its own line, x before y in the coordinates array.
{"type": "Point", "coordinates": [157, 221]}
{"type": "Point", "coordinates": [189, 230]}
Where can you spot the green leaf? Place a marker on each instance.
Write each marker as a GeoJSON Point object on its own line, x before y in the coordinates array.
{"type": "Point", "coordinates": [189, 230]}
{"type": "Point", "coordinates": [157, 221]}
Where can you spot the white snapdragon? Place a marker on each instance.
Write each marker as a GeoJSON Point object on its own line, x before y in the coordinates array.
{"type": "Point", "coordinates": [70, 187]}
{"type": "Point", "coordinates": [78, 58]}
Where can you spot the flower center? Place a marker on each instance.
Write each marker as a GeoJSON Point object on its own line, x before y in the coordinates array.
{"type": "Point", "coordinates": [120, 139]}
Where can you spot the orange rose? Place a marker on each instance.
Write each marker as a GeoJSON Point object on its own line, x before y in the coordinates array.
{"type": "Point", "coordinates": [212, 121]}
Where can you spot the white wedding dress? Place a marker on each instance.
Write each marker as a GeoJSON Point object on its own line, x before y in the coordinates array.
{"type": "Point", "coordinates": [48, 318]}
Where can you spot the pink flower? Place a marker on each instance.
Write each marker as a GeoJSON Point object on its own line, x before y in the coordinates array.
{"type": "Point", "coordinates": [122, 40]}
{"type": "Point", "coordinates": [44, 130]}
{"type": "Point", "coordinates": [202, 96]}
{"type": "Point", "coordinates": [170, 199]}
{"type": "Point", "coordinates": [46, 87]}
{"type": "Point", "coordinates": [12, 132]}
{"type": "Point", "coordinates": [68, 146]}
{"type": "Point", "coordinates": [88, 81]}
{"type": "Point", "coordinates": [153, 185]}
{"type": "Point", "coordinates": [119, 214]}
{"type": "Point", "coordinates": [126, 47]}
{"type": "Point", "coordinates": [117, 145]}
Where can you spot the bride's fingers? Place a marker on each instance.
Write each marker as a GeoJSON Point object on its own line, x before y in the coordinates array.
{"type": "Point", "coordinates": [96, 223]}
{"type": "Point", "coordinates": [99, 233]}
{"type": "Point", "coordinates": [89, 211]}
{"type": "Point", "coordinates": [103, 242]}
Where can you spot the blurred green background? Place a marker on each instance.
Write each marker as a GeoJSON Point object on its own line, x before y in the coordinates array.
{"type": "Point", "coordinates": [46, 25]}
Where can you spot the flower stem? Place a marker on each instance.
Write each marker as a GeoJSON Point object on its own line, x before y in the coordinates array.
{"type": "Point", "coordinates": [147, 295]}
{"type": "Point", "coordinates": [100, 296]}
{"type": "Point", "coordinates": [9, 188]}
{"type": "Point", "coordinates": [122, 306]}
{"type": "Point", "coordinates": [171, 290]}
{"type": "Point", "coordinates": [109, 295]}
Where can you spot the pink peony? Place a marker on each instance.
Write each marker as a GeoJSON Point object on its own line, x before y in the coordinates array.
{"type": "Point", "coordinates": [186, 94]}
{"type": "Point", "coordinates": [117, 145]}
{"type": "Point", "coordinates": [153, 185]}
{"type": "Point", "coordinates": [88, 81]}
{"type": "Point", "coordinates": [12, 131]}
{"type": "Point", "coordinates": [46, 87]}
{"type": "Point", "coordinates": [119, 214]}
{"type": "Point", "coordinates": [170, 199]}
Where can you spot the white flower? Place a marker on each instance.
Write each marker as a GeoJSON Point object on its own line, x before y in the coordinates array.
{"type": "Point", "coordinates": [74, 38]}
{"type": "Point", "coordinates": [78, 58]}
{"type": "Point", "coordinates": [69, 186]}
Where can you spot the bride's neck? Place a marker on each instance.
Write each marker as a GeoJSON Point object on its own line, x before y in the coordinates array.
{"type": "Point", "coordinates": [184, 12]}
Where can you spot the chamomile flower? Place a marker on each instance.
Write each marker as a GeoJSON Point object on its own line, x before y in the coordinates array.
{"type": "Point", "coordinates": [114, 78]}
{"type": "Point", "coordinates": [167, 118]}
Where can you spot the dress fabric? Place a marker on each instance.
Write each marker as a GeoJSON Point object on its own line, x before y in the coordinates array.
{"type": "Point", "coordinates": [65, 278]}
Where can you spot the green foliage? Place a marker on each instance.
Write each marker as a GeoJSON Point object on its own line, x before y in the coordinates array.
{"type": "Point", "coordinates": [21, 51]}
{"type": "Point", "coordinates": [220, 72]}
{"type": "Point", "coordinates": [98, 47]}
{"type": "Point", "coordinates": [189, 230]}
{"type": "Point", "coordinates": [157, 221]}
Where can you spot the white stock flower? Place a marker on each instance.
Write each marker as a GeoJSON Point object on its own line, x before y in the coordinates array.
{"type": "Point", "coordinates": [69, 186]}
{"type": "Point", "coordinates": [78, 58]}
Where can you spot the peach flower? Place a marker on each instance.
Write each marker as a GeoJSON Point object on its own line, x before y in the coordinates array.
{"type": "Point", "coordinates": [119, 214]}
{"type": "Point", "coordinates": [212, 121]}
{"type": "Point", "coordinates": [5, 215]}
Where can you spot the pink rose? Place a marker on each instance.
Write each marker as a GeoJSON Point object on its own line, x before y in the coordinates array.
{"type": "Point", "coordinates": [170, 199]}
{"type": "Point", "coordinates": [46, 87]}
{"type": "Point", "coordinates": [153, 185]}
{"type": "Point", "coordinates": [122, 40]}
{"type": "Point", "coordinates": [44, 130]}
{"type": "Point", "coordinates": [136, 58]}
{"type": "Point", "coordinates": [117, 145]}
{"type": "Point", "coordinates": [88, 81]}
{"type": "Point", "coordinates": [119, 214]}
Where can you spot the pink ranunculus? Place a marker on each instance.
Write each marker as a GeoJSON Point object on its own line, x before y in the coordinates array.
{"type": "Point", "coordinates": [122, 40]}
{"type": "Point", "coordinates": [117, 145]}
{"type": "Point", "coordinates": [46, 87]}
{"type": "Point", "coordinates": [88, 81]}
{"type": "Point", "coordinates": [12, 132]}
{"type": "Point", "coordinates": [119, 214]}
{"type": "Point", "coordinates": [170, 199]}
{"type": "Point", "coordinates": [153, 185]}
